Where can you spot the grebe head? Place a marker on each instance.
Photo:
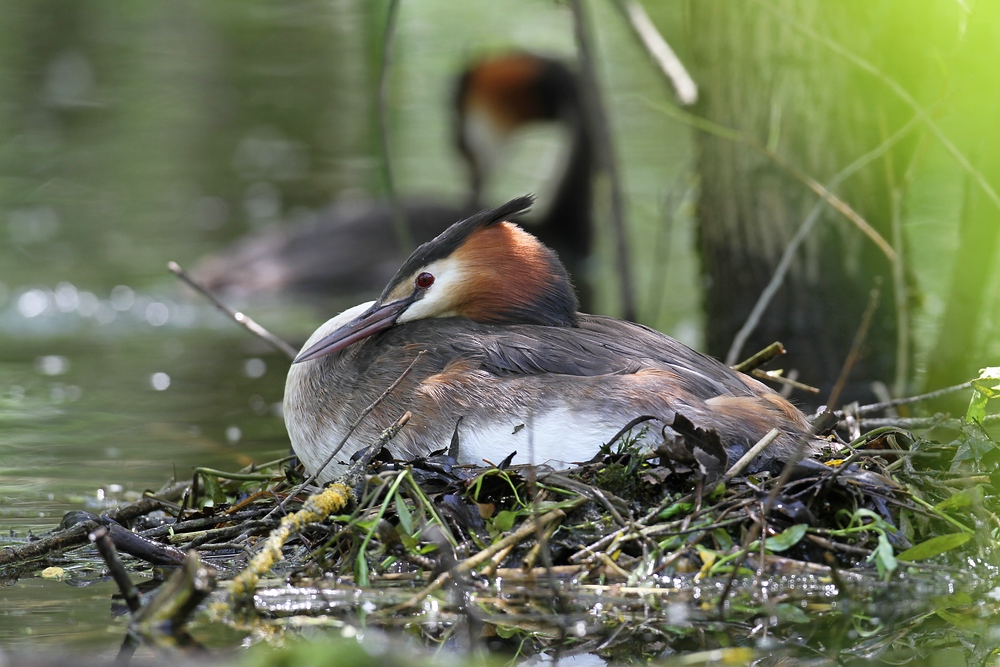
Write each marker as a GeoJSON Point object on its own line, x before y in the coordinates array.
{"type": "Point", "coordinates": [484, 268]}
{"type": "Point", "coordinates": [497, 95]}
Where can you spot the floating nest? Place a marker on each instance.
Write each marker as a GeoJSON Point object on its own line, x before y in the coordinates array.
{"type": "Point", "coordinates": [884, 546]}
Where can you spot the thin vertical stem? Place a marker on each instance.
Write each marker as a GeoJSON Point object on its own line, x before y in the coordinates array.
{"type": "Point", "coordinates": [660, 52]}
{"type": "Point", "coordinates": [400, 227]}
{"type": "Point", "coordinates": [597, 119]}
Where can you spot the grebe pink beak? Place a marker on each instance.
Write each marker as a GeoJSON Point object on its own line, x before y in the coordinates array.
{"type": "Point", "coordinates": [377, 318]}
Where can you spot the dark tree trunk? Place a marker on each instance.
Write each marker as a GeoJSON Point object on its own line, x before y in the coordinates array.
{"type": "Point", "coordinates": [765, 78]}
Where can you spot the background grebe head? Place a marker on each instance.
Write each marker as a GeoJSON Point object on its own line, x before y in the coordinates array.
{"type": "Point", "coordinates": [484, 268]}
{"type": "Point", "coordinates": [497, 95]}
{"type": "Point", "coordinates": [352, 250]}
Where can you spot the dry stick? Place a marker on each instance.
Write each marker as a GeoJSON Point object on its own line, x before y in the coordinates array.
{"type": "Point", "coordinates": [899, 91]}
{"type": "Point", "coordinates": [77, 535]}
{"type": "Point", "coordinates": [908, 423]}
{"type": "Point", "coordinates": [737, 467]}
{"type": "Point", "coordinates": [469, 563]}
{"type": "Point", "coordinates": [106, 548]}
{"type": "Point", "coordinates": [629, 532]}
{"type": "Point", "coordinates": [400, 227]}
{"type": "Point", "coordinates": [240, 318]}
{"type": "Point", "coordinates": [590, 493]}
{"type": "Point", "coordinates": [773, 350]}
{"type": "Point", "coordinates": [756, 529]}
{"type": "Point", "coordinates": [542, 535]}
{"type": "Point", "coordinates": [595, 494]}
{"type": "Point", "coordinates": [595, 117]}
{"type": "Point", "coordinates": [855, 351]}
{"type": "Point", "coordinates": [661, 53]}
{"type": "Point", "coordinates": [877, 407]}
{"type": "Point", "coordinates": [169, 609]}
{"type": "Point", "coordinates": [317, 507]}
{"type": "Point", "coordinates": [542, 550]}
{"type": "Point", "coordinates": [780, 379]}
{"type": "Point", "coordinates": [350, 431]}
{"type": "Point", "coordinates": [780, 271]}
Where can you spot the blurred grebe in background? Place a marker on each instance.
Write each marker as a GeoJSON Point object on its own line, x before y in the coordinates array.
{"type": "Point", "coordinates": [352, 249]}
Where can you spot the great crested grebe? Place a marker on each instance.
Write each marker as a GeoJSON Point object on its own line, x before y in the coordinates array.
{"type": "Point", "coordinates": [510, 365]}
{"type": "Point", "coordinates": [352, 249]}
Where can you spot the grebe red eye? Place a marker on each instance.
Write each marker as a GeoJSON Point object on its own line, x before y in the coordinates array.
{"type": "Point", "coordinates": [424, 280]}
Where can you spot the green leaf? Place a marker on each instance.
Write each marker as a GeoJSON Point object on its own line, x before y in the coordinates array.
{"type": "Point", "coordinates": [504, 520]}
{"type": "Point", "coordinates": [884, 557]}
{"type": "Point", "coordinates": [962, 499]}
{"type": "Point", "coordinates": [670, 543]}
{"type": "Point", "coordinates": [722, 539]}
{"type": "Point", "coordinates": [787, 538]}
{"type": "Point", "coordinates": [972, 445]}
{"type": "Point", "coordinates": [361, 571]}
{"type": "Point", "coordinates": [675, 509]}
{"type": "Point", "coordinates": [790, 613]}
{"type": "Point", "coordinates": [984, 388]}
{"type": "Point", "coordinates": [212, 490]}
{"type": "Point", "coordinates": [403, 512]}
{"type": "Point", "coordinates": [506, 632]}
{"type": "Point", "coordinates": [935, 546]}
{"type": "Point", "coordinates": [959, 599]}
{"type": "Point", "coordinates": [957, 620]}
{"type": "Point", "coordinates": [906, 524]}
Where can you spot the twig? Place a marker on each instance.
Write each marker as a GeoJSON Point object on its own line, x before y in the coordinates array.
{"type": "Point", "coordinates": [901, 297]}
{"type": "Point", "coordinates": [142, 547]}
{"type": "Point", "coordinates": [346, 483]}
{"type": "Point", "coordinates": [169, 610]}
{"type": "Point", "coordinates": [770, 437]}
{"type": "Point", "coordinates": [855, 351]}
{"type": "Point", "coordinates": [913, 453]}
{"type": "Point", "coordinates": [773, 350]}
{"type": "Point", "coordinates": [192, 525]}
{"type": "Point", "coordinates": [541, 549]}
{"type": "Point", "coordinates": [242, 530]}
{"type": "Point", "coordinates": [77, 534]}
{"type": "Point", "coordinates": [350, 431]}
{"type": "Point", "coordinates": [630, 533]}
{"type": "Point", "coordinates": [749, 539]}
{"type": "Point", "coordinates": [780, 379]}
{"type": "Point", "coordinates": [400, 225]}
{"type": "Point", "coordinates": [243, 320]}
{"type": "Point", "coordinates": [522, 533]}
{"type": "Point", "coordinates": [756, 529]}
{"type": "Point", "coordinates": [660, 52]}
{"type": "Point", "coordinates": [909, 423]}
{"type": "Point", "coordinates": [626, 428]}
{"type": "Point", "coordinates": [106, 548]}
{"type": "Point", "coordinates": [597, 119]}
{"type": "Point", "coordinates": [316, 508]}
{"type": "Point", "coordinates": [878, 407]}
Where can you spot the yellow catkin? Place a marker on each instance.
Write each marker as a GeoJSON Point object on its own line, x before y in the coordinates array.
{"type": "Point", "coordinates": [316, 508]}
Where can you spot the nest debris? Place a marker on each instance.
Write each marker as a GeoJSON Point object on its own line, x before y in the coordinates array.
{"type": "Point", "coordinates": [590, 556]}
